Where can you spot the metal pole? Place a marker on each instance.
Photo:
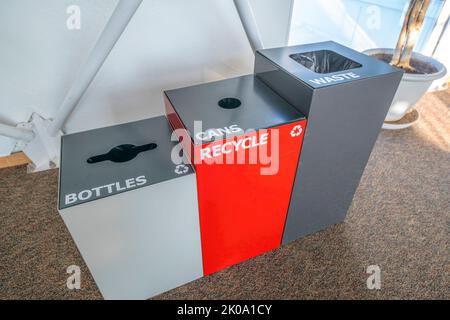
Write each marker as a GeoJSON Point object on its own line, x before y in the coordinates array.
{"type": "Point", "coordinates": [16, 133]}
{"type": "Point", "coordinates": [245, 11]}
{"type": "Point", "coordinates": [110, 35]}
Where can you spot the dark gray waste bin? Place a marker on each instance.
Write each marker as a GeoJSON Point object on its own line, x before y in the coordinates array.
{"type": "Point", "coordinates": [345, 96]}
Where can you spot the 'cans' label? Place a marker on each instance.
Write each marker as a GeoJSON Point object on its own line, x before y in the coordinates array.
{"type": "Point", "coordinates": [212, 134]}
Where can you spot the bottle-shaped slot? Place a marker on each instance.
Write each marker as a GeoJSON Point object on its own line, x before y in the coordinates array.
{"type": "Point", "coordinates": [122, 153]}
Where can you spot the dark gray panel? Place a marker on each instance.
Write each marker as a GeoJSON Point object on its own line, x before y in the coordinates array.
{"type": "Point", "coordinates": [343, 126]}
{"type": "Point", "coordinates": [346, 104]}
{"type": "Point", "coordinates": [370, 67]}
{"type": "Point", "coordinates": [261, 107]}
{"type": "Point", "coordinates": [295, 92]}
{"type": "Point", "coordinates": [76, 174]}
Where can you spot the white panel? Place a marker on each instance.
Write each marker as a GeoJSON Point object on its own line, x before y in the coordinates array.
{"type": "Point", "coordinates": [140, 243]}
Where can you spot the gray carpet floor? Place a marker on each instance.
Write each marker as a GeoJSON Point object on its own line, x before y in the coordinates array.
{"type": "Point", "coordinates": [399, 220]}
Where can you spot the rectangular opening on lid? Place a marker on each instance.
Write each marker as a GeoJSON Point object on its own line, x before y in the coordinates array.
{"type": "Point", "coordinates": [324, 61]}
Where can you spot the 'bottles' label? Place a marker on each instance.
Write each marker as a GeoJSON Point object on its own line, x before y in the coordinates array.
{"type": "Point", "coordinates": [104, 191]}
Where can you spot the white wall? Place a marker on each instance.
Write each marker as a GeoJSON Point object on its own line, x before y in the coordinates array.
{"type": "Point", "coordinates": [168, 44]}
{"type": "Point", "coordinates": [39, 55]}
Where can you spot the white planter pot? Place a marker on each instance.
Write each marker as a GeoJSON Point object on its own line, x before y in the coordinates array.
{"type": "Point", "coordinates": [412, 87]}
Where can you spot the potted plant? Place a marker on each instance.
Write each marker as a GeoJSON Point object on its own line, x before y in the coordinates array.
{"type": "Point", "coordinates": [420, 70]}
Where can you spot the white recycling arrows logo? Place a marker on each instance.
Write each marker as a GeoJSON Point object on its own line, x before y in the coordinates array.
{"type": "Point", "coordinates": [181, 169]}
{"type": "Point", "coordinates": [296, 131]}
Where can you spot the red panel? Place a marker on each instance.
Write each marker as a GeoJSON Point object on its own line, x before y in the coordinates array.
{"type": "Point", "coordinates": [179, 129]}
{"type": "Point", "coordinates": [243, 212]}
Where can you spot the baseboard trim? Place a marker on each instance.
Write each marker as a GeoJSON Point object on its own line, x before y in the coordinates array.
{"type": "Point", "coordinates": [14, 160]}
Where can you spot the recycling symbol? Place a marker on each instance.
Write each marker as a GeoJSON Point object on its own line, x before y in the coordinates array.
{"type": "Point", "coordinates": [181, 169]}
{"type": "Point", "coordinates": [296, 131]}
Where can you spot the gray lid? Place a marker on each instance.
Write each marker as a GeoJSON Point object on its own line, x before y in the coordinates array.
{"type": "Point", "coordinates": [326, 64]}
{"type": "Point", "coordinates": [260, 107]}
{"type": "Point", "coordinates": [77, 175]}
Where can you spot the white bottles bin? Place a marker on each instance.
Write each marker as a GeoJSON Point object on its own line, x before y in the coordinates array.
{"type": "Point", "coordinates": [130, 209]}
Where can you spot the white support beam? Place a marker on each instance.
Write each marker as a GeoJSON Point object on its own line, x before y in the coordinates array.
{"type": "Point", "coordinates": [247, 16]}
{"type": "Point", "coordinates": [115, 27]}
{"type": "Point", "coordinates": [16, 133]}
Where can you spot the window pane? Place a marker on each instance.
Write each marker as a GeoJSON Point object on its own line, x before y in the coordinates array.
{"type": "Point", "coordinates": [359, 24]}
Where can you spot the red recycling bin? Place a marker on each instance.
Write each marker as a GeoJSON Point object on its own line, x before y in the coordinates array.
{"type": "Point", "coordinates": [244, 142]}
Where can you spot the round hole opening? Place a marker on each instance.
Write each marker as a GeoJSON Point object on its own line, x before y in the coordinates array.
{"type": "Point", "coordinates": [230, 103]}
